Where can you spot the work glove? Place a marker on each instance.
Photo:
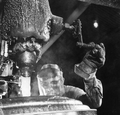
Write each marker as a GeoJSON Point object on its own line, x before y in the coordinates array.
{"type": "Point", "coordinates": [96, 57]}
{"type": "Point", "coordinates": [93, 60]}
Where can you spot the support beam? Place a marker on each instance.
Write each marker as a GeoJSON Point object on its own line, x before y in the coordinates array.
{"type": "Point", "coordinates": [109, 3]}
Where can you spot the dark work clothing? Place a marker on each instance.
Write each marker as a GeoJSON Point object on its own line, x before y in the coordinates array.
{"type": "Point", "coordinates": [92, 96]}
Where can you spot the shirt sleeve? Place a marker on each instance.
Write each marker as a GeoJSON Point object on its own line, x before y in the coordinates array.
{"type": "Point", "coordinates": [78, 94]}
{"type": "Point", "coordinates": [73, 92]}
{"type": "Point", "coordinates": [94, 90]}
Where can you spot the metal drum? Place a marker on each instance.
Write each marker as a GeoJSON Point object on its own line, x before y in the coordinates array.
{"type": "Point", "coordinates": [44, 105]}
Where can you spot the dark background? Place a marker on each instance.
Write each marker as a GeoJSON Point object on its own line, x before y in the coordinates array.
{"type": "Point", "coordinates": [65, 53]}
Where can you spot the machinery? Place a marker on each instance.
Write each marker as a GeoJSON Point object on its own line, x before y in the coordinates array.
{"type": "Point", "coordinates": [26, 25]}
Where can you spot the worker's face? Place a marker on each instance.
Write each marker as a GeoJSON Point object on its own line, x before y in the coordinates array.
{"type": "Point", "coordinates": [52, 81]}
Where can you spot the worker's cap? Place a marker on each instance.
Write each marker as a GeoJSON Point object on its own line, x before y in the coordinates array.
{"type": "Point", "coordinates": [52, 66]}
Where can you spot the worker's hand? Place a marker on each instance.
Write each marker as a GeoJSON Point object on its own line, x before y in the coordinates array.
{"type": "Point", "coordinates": [96, 57]}
{"type": "Point", "coordinates": [93, 60]}
{"type": "Point", "coordinates": [56, 25]}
